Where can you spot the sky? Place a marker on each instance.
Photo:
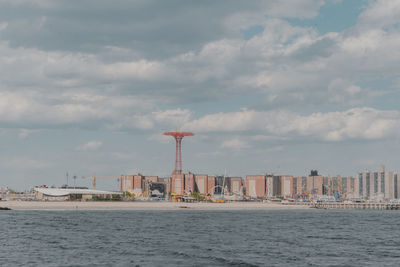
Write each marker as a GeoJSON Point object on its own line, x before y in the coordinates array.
{"type": "Point", "coordinates": [266, 86]}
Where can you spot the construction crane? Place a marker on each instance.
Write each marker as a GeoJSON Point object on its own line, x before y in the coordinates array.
{"type": "Point", "coordinates": [94, 179]}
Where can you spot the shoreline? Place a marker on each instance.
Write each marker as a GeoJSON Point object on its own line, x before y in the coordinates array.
{"type": "Point", "coordinates": [136, 205]}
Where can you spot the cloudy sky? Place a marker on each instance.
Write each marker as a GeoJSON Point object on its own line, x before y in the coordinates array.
{"type": "Point", "coordinates": [266, 86]}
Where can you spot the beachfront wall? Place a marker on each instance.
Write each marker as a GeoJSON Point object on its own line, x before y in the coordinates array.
{"type": "Point", "coordinates": [255, 186]}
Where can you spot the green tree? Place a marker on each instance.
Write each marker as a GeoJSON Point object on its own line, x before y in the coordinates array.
{"type": "Point", "coordinates": [197, 196]}
{"type": "Point", "coordinates": [128, 196]}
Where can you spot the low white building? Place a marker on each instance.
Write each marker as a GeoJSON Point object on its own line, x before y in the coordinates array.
{"type": "Point", "coordinates": [73, 194]}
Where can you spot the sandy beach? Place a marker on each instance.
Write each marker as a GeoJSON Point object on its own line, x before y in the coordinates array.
{"type": "Point", "coordinates": [136, 205]}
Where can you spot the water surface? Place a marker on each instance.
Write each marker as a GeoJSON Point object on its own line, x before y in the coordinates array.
{"type": "Point", "coordinates": [200, 238]}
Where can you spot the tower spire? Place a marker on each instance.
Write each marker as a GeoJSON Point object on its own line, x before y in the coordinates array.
{"type": "Point", "coordinates": [178, 153]}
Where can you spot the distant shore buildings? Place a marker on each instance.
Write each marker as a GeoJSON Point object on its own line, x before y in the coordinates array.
{"type": "Point", "coordinates": [377, 186]}
{"type": "Point", "coordinates": [380, 185]}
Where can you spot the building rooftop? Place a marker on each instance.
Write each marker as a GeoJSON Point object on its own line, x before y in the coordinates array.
{"type": "Point", "coordinates": [58, 192]}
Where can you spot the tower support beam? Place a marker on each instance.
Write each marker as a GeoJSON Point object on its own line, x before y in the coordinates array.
{"type": "Point", "coordinates": [178, 136]}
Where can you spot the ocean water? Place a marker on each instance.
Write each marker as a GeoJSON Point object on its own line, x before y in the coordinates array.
{"type": "Point", "coordinates": [200, 238]}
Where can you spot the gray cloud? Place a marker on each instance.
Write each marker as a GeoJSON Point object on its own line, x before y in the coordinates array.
{"type": "Point", "coordinates": [154, 28]}
{"type": "Point", "coordinates": [87, 81]}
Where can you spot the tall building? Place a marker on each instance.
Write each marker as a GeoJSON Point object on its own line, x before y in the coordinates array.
{"type": "Point", "coordinates": [348, 187]}
{"type": "Point", "coordinates": [301, 185]}
{"type": "Point", "coordinates": [167, 184]}
{"type": "Point", "coordinates": [211, 185]}
{"type": "Point", "coordinates": [236, 185]}
{"type": "Point", "coordinates": [273, 186]}
{"type": "Point", "coordinates": [255, 186]}
{"type": "Point", "coordinates": [287, 186]}
{"type": "Point", "coordinates": [138, 182]}
{"type": "Point", "coordinates": [189, 183]}
{"type": "Point", "coordinates": [222, 184]}
{"type": "Point", "coordinates": [315, 185]}
{"type": "Point", "coordinates": [201, 184]}
{"type": "Point", "coordinates": [389, 185]}
{"type": "Point", "coordinates": [126, 183]}
{"type": "Point", "coordinates": [153, 179]}
{"type": "Point", "coordinates": [132, 182]}
{"type": "Point", "coordinates": [381, 185]}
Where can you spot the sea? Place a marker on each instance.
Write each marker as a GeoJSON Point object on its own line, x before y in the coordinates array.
{"type": "Point", "coordinates": [200, 238]}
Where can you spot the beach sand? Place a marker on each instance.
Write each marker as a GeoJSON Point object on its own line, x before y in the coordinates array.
{"type": "Point", "coordinates": [137, 205]}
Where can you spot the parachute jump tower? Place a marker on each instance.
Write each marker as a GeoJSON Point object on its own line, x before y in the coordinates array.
{"type": "Point", "coordinates": [178, 154]}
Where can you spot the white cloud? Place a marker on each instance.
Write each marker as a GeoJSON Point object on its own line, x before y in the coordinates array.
{"type": "Point", "coordinates": [289, 65]}
{"type": "Point", "coordinates": [90, 146]}
{"type": "Point", "coordinates": [3, 25]}
{"type": "Point", "coordinates": [380, 13]}
{"type": "Point", "coordinates": [32, 110]}
{"type": "Point", "coordinates": [142, 69]}
{"type": "Point", "coordinates": [24, 133]}
{"type": "Point", "coordinates": [276, 9]}
{"type": "Point", "coordinates": [160, 120]}
{"type": "Point", "coordinates": [235, 144]}
{"type": "Point", "coordinates": [173, 117]}
{"type": "Point", "coordinates": [357, 123]}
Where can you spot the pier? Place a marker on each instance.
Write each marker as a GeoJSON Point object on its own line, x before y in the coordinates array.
{"type": "Point", "coordinates": [357, 206]}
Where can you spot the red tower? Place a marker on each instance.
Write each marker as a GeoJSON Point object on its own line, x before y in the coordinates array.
{"type": "Point", "coordinates": [178, 156]}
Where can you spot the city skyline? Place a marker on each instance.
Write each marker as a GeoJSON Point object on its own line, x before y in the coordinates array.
{"type": "Point", "coordinates": [379, 186]}
{"type": "Point", "coordinates": [266, 86]}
